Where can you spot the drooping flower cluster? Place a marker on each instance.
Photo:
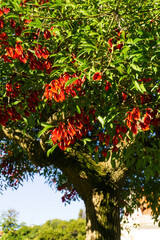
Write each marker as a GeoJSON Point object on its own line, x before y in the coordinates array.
{"type": "Point", "coordinates": [58, 90]}
{"type": "Point", "coordinates": [134, 122]}
{"type": "Point", "coordinates": [69, 192]}
{"type": "Point", "coordinates": [75, 128]}
{"type": "Point", "coordinates": [13, 113]}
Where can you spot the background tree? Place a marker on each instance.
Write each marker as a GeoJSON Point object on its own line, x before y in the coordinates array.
{"type": "Point", "coordinates": [80, 102]}
{"type": "Point", "coordinates": [51, 230]}
{"type": "Point", "coordinates": [9, 220]}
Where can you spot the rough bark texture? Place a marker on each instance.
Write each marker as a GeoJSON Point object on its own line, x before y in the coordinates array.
{"type": "Point", "coordinates": [102, 217]}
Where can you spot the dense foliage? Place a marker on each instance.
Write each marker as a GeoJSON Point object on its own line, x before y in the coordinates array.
{"type": "Point", "coordinates": [51, 230]}
{"type": "Point", "coordinates": [80, 86]}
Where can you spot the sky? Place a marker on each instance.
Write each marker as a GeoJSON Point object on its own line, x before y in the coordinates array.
{"type": "Point", "coordinates": [36, 203]}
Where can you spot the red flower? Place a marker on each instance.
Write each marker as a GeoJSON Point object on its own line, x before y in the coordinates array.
{"type": "Point", "coordinates": [6, 59]}
{"type": "Point", "coordinates": [6, 10]}
{"type": "Point", "coordinates": [97, 76]}
{"type": "Point", "coordinates": [128, 122]}
{"type": "Point", "coordinates": [129, 117]}
{"type": "Point", "coordinates": [114, 149]}
{"type": "Point", "coordinates": [124, 96]}
{"type": "Point", "coordinates": [18, 31]}
{"type": "Point", "coordinates": [47, 34]}
{"type": "Point", "coordinates": [123, 129]}
{"type": "Point", "coordinates": [1, 13]}
{"type": "Point", "coordinates": [12, 23]}
{"type": "Point", "coordinates": [147, 119]}
{"type": "Point", "coordinates": [19, 49]}
{"type": "Point", "coordinates": [144, 126]}
{"type": "Point", "coordinates": [23, 58]}
{"type": "Point", "coordinates": [1, 23]}
{"type": "Point", "coordinates": [10, 52]}
{"type": "Point", "coordinates": [45, 53]}
{"type": "Point", "coordinates": [107, 87]}
{"type": "Point", "coordinates": [104, 153]}
{"type": "Point", "coordinates": [115, 140]}
{"type": "Point", "coordinates": [119, 46]}
{"type": "Point", "coordinates": [136, 113]}
{"type": "Point", "coordinates": [110, 42]}
{"type": "Point", "coordinates": [134, 128]}
{"type": "Point", "coordinates": [3, 36]}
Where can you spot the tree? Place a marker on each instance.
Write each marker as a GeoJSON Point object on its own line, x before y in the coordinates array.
{"type": "Point", "coordinates": [80, 102]}
{"type": "Point", "coordinates": [53, 229]}
{"type": "Point", "coordinates": [9, 221]}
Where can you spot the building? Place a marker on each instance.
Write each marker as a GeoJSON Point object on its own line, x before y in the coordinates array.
{"type": "Point", "coordinates": [140, 225]}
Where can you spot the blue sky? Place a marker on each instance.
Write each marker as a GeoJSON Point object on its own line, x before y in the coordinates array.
{"type": "Point", "coordinates": [36, 203]}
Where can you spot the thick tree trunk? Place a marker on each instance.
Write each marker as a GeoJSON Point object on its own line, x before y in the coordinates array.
{"type": "Point", "coordinates": [102, 216]}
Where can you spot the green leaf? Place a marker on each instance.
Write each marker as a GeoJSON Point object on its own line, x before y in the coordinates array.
{"type": "Point", "coordinates": [46, 125]}
{"type": "Point", "coordinates": [136, 67]}
{"type": "Point", "coordinates": [50, 151]}
{"type": "Point", "coordinates": [139, 87]}
{"type": "Point", "coordinates": [16, 102]}
{"type": "Point", "coordinates": [11, 16]}
{"type": "Point", "coordinates": [142, 88]}
{"type": "Point", "coordinates": [70, 81]}
{"type": "Point", "coordinates": [78, 109]}
{"type": "Point", "coordinates": [37, 24]}
{"type": "Point", "coordinates": [85, 140]}
{"type": "Point", "coordinates": [102, 121]}
{"type": "Point", "coordinates": [88, 46]}
{"type": "Point", "coordinates": [44, 130]}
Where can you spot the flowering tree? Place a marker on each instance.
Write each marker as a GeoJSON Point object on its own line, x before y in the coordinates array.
{"type": "Point", "coordinates": [80, 102]}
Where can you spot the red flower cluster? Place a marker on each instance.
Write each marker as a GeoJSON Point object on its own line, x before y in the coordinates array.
{"type": "Point", "coordinates": [10, 113]}
{"type": "Point", "coordinates": [70, 192]}
{"type": "Point", "coordinates": [41, 52]}
{"type": "Point", "coordinates": [132, 118]}
{"type": "Point", "coordinates": [33, 101]}
{"type": "Point", "coordinates": [13, 90]}
{"type": "Point", "coordinates": [7, 113]}
{"type": "Point", "coordinates": [4, 11]}
{"type": "Point", "coordinates": [56, 89]}
{"type": "Point", "coordinates": [66, 133]}
{"type": "Point", "coordinates": [16, 53]}
{"type": "Point", "coordinates": [107, 86]}
{"type": "Point", "coordinates": [23, 56]}
{"type": "Point", "coordinates": [149, 118]}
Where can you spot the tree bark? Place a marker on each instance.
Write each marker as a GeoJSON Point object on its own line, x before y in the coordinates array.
{"type": "Point", "coordinates": [99, 187]}
{"type": "Point", "coordinates": [102, 216]}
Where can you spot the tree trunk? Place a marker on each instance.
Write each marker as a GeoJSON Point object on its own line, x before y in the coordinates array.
{"type": "Point", "coordinates": [102, 216]}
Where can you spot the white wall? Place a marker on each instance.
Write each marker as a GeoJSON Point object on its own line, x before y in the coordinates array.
{"type": "Point", "coordinates": [145, 228]}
